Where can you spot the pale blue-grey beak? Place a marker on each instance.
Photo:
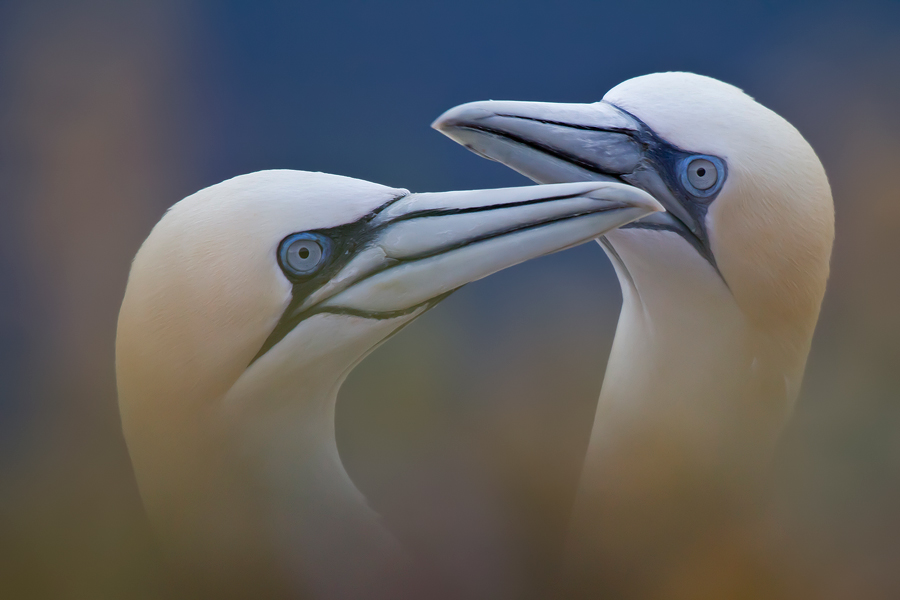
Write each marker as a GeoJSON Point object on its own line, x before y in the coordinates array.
{"type": "Point", "coordinates": [553, 143]}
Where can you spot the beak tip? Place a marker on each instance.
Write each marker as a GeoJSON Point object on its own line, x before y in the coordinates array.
{"type": "Point", "coordinates": [627, 195]}
{"type": "Point", "coordinates": [652, 205]}
{"type": "Point", "coordinates": [461, 115]}
{"type": "Point", "coordinates": [440, 124]}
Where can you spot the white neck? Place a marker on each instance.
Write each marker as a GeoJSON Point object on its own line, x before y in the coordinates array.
{"type": "Point", "coordinates": [685, 358]}
{"type": "Point", "coordinates": [282, 413]}
{"type": "Point", "coordinates": [691, 405]}
{"type": "Point", "coordinates": [248, 489]}
{"type": "Point", "coordinates": [320, 529]}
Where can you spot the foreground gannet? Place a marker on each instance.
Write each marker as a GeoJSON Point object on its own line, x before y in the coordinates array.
{"type": "Point", "coordinates": [246, 308]}
{"type": "Point", "coordinates": [721, 295]}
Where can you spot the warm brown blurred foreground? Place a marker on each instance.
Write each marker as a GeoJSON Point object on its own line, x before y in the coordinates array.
{"type": "Point", "coordinates": [471, 456]}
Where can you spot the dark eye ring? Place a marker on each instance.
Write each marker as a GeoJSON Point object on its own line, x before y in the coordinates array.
{"type": "Point", "coordinates": [702, 175]}
{"type": "Point", "coordinates": [302, 255]}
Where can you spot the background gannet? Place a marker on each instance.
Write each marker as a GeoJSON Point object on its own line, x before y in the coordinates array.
{"type": "Point", "coordinates": [721, 295]}
{"type": "Point", "coordinates": [246, 308]}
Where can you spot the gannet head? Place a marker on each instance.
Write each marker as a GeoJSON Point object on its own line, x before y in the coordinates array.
{"type": "Point", "coordinates": [251, 300]}
{"type": "Point", "coordinates": [748, 203]}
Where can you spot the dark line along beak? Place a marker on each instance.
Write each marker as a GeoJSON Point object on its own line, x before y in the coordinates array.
{"type": "Point", "coordinates": [420, 247]}
{"type": "Point", "coordinates": [553, 142]}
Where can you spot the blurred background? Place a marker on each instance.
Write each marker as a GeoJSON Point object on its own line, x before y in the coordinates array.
{"type": "Point", "coordinates": [466, 431]}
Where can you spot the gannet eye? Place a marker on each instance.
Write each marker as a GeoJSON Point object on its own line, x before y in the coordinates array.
{"type": "Point", "coordinates": [702, 175]}
{"type": "Point", "coordinates": [303, 254]}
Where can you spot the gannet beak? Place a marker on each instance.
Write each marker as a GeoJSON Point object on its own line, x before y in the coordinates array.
{"type": "Point", "coordinates": [430, 244]}
{"type": "Point", "coordinates": [553, 142]}
{"type": "Point", "coordinates": [413, 251]}
{"type": "Point", "coordinates": [545, 141]}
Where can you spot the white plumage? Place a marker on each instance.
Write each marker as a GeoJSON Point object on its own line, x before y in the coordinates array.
{"type": "Point", "coordinates": [720, 299]}
{"type": "Point", "coordinates": [246, 308]}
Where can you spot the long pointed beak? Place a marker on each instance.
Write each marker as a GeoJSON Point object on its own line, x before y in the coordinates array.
{"type": "Point", "coordinates": [416, 249]}
{"type": "Point", "coordinates": [424, 246]}
{"type": "Point", "coordinates": [550, 142]}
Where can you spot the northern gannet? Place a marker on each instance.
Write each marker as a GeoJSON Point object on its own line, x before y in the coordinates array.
{"type": "Point", "coordinates": [246, 308]}
{"type": "Point", "coordinates": [721, 295]}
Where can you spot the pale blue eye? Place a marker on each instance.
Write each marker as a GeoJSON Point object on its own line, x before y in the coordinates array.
{"type": "Point", "coordinates": [702, 175]}
{"type": "Point", "coordinates": [304, 254]}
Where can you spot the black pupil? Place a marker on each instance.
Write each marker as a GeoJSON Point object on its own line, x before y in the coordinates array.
{"type": "Point", "coordinates": [701, 171]}
{"type": "Point", "coordinates": [303, 252]}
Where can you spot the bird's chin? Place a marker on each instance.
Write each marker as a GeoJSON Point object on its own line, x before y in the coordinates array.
{"type": "Point", "coordinates": [669, 222]}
